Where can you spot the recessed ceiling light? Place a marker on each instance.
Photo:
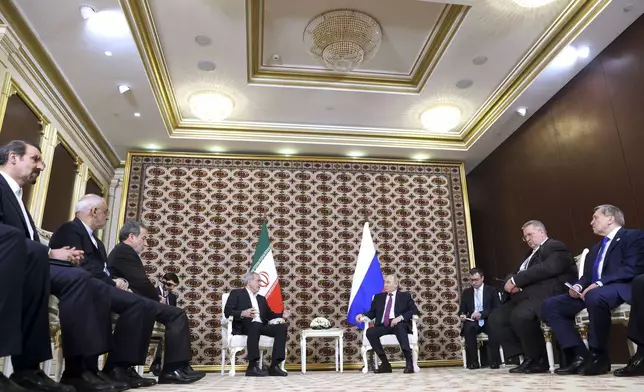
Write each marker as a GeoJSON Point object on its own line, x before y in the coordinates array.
{"type": "Point", "coordinates": [217, 149]}
{"type": "Point", "coordinates": [109, 24]}
{"type": "Point", "coordinates": [203, 40]}
{"type": "Point", "coordinates": [420, 157]}
{"type": "Point", "coordinates": [522, 111]}
{"type": "Point", "coordinates": [479, 60]}
{"type": "Point", "coordinates": [356, 154]}
{"type": "Point", "coordinates": [583, 52]}
{"type": "Point", "coordinates": [152, 146]}
{"type": "Point", "coordinates": [287, 151]}
{"type": "Point", "coordinates": [87, 11]}
{"type": "Point", "coordinates": [566, 58]}
{"type": "Point", "coordinates": [206, 66]}
{"type": "Point", "coordinates": [123, 88]}
{"type": "Point", "coordinates": [464, 83]}
{"type": "Point", "coordinates": [108, 53]}
{"type": "Point", "coordinates": [441, 118]}
{"type": "Point", "coordinates": [211, 105]}
{"type": "Point", "coordinates": [628, 7]}
{"type": "Point", "coordinates": [137, 114]}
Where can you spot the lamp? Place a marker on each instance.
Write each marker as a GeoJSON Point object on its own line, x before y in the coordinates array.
{"type": "Point", "coordinates": [210, 105]}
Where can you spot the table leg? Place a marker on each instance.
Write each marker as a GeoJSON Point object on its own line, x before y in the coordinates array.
{"type": "Point", "coordinates": [337, 345]}
{"type": "Point", "coordinates": [303, 353]}
{"type": "Point", "coordinates": [341, 354]}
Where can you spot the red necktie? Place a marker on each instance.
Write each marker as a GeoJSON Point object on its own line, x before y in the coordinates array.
{"type": "Point", "coordinates": [388, 310]}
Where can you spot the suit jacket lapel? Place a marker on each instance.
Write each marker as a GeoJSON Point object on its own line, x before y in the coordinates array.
{"type": "Point", "coordinates": [14, 202]}
{"type": "Point", "coordinates": [613, 243]}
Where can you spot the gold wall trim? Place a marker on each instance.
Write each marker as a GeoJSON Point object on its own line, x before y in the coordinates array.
{"type": "Point", "coordinates": [72, 105]}
{"type": "Point", "coordinates": [576, 16]}
{"type": "Point", "coordinates": [5, 92]}
{"type": "Point", "coordinates": [438, 40]}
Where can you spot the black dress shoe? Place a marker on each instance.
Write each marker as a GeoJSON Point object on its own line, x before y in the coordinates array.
{"type": "Point", "coordinates": [255, 371]}
{"type": "Point", "coordinates": [276, 371]}
{"type": "Point", "coordinates": [87, 382]}
{"type": "Point", "coordinates": [574, 368]}
{"type": "Point", "coordinates": [409, 369]}
{"type": "Point", "coordinates": [537, 366]}
{"type": "Point", "coordinates": [521, 368]}
{"type": "Point", "coordinates": [155, 367]}
{"type": "Point", "coordinates": [597, 364]}
{"type": "Point", "coordinates": [494, 365]}
{"type": "Point", "coordinates": [473, 365]}
{"type": "Point", "coordinates": [143, 381]}
{"type": "Point", "coordinates": [117, 385]}
{"type": "Point", "coordinates": [188, 370]}
{"type": "Point", "coordinates": [7, 385]}
{"type": "Point", "coordinates": [37, 380]}
{"type": "Point", "coordinates": [634, 368]}
{"type": "Point", "coordinates": [383, 368]}
{"type": "Point", "coordinates": [177, 377]}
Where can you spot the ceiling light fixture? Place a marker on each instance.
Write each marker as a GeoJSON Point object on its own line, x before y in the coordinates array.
{"type": "Point", "coordinates": [355, 154]}
{"type": "Point", "coordinates": [287, 151]}
{"type": "Point", "coordinates": [123, 88]}
{"type": "Point", "coordinates": [441, 118]}
{"type": "Point", "coordinates": [152, 146]}
{"type": "Point", "coordinates": [108, 53]}
{"type": "Point", "coordinates": [342, 39]}
{"type": "Point", "coordinates": [583, 52]}
{"type": "Point", "coordinates": [420, 157]}
{"type": "Point", "coordinates": [109, 24]}
{"type": "Point", "coordinates": [137, 114]}
{"type": "Point", "coordinates": [522, 111]}
{"type": "Point", "coordinates": [532, 3]}
{"type": "Point", "coordinates": [87, 11]}
{"type": "Point", "coordinates": [210, 105]}
{"type": "Point", "coordinates": [569, 55]}
{"type": "Point", "coordinates": [217, 149]}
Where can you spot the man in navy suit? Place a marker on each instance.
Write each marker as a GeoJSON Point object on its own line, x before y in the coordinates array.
{"type": "Point", "coordinates": [609, 268]}
{"type": "Point", "coordinates": [477, 302]}
{"type": "Point", "coordinates": [393, 311]}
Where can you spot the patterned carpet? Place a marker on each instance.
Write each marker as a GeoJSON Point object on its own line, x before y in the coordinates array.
{"type": "Point", "coordinates": [429, 379]}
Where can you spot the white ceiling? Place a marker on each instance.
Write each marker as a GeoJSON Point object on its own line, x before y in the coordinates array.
{"type": "Point", "coordinates": [498, 29]}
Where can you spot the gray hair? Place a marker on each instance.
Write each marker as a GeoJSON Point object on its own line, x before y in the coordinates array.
{"type": "Point", "coordinates": [537, 225]}
{"type": "Point", "coordinates": [611, 210]}
{"type": "Point", "coordinates": [87, 202]}
{"type": "Point", "coordinates": [131, 227]}
{"type": "Point", "coordinates": [248, 277]}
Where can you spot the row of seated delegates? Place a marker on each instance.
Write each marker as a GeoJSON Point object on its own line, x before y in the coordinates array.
{"type": "Point", "coordinates": [31, 272]}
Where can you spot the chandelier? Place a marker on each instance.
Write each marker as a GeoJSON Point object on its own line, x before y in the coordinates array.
{"type": "Point", "coordinates": [342, 39]}
{"type": "Point", "coordinates": [210, 106]}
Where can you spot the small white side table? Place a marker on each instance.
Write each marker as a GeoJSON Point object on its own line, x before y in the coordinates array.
{"type": "Point", "coordinates": [336, 333]}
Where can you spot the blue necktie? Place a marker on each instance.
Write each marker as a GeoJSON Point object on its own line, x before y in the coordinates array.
{"type": "Point", "coordinates": [598, 260]}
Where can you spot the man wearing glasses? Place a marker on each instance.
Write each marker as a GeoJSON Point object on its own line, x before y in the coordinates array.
{"type": "Point", "coordinates": [541, 274]}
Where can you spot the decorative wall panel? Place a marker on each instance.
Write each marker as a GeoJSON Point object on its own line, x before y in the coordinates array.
{"type": "Point", "coordinates": [206, 213]}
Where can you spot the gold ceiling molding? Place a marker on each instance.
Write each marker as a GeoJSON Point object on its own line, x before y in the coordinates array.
{"type": "Point", "coordinates": [440, 37]}
{"type": "Point", "coordinates": [44, 68]}
{"type": "Point", "coordinates": [569, 24]}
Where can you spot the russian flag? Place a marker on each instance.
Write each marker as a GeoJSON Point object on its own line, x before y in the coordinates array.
{"type": "Point", "coordinates": [367, 278]}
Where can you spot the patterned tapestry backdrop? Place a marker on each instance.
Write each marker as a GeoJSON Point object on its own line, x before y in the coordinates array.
{"type": "Point", "coordinates": [206, 214]}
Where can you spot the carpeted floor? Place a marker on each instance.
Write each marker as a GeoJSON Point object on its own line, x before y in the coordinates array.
{"type": "Point", "coordinates": [429, 379]}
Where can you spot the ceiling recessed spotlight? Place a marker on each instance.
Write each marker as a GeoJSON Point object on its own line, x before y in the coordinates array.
{"type": "Point", "coordinates": [206, 66]}
{"type": "Point", "coordinates": [583, 52]}
{"type": "Point", "coordinates": [464, 83]}
{"type": "Point", "coordinates": [287, 151]}
{"type": "Point", "coordinates": [532, 3]}
{"type": "Point", "coordinates": [522, 111]}
{"type": "Point", "coordinates": [628, 7]}
{"type": "Point", "coordinates": [203, 40]}
{"type": "Point", "coordinates": [137, 114]}
{"type": "Point", "coordinates": [420, 157]}
{"type": "Point", "coordinates": [566, 58]}
{"type": "Point", "coordinates": [123, 88]}
{"type": "Point", "coordinates": [441, 118]}
{"type": "Point", "coordinates": [108, 53]}
{"type": "Point", "coordinates": [211, 105]}
{"type": "Point", "coordinates": [479, 60]}
{"type": "Point", "coordinates": [87, 11]}
{"type": "Point", "coordinates": [109, 24]}
{"type": "Point", "coordinates": [356, 154]}
{"type": "Point", "coordinates": [152, 146]}
{"type": "Point", "coordinates": [217, 149]}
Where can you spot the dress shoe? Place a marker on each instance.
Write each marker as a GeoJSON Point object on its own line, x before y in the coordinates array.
{"type": "Point", "coordinates": [86, 382]}
{"type": "Point", "coordinates": [494, 365]}
{"type": "Point", "coordinates": [635, 367]}
{"type": "Point", "coordinates": [155, 367]}
{"type": "Point", "coordinates": [473, 365]}
{"type": "Point", "coordinates": [7, 385]}
{"type": "Point", "coordinates": [129, 377]}
{"type": "Point", "coordinates": [118, 385]}
{"type": "Point", "coordinates": [189, 371]}
{"type": "Point", "coordinates": [521, 368]}
{"type": "Point", "coordinates": [537, 366]}
{"type": "Point", "coordinates": [574, 368]}
{"type": "Point", "coordinates": [178, 377]}
{"type": "Point", "coordinates": [383, 368]}
{"type": "Point", "coordinates": [276, 371]}
{"type": "Point", "coordinates": [409, 369]}
{"type": "Point", "coordinates": [255, 371]}
{"type": "Point", "coordinates": [145, 382]}
{"type": "Point", "coordinates": [37, 380]}
{"type": "Point", "coordinates": [597, 364]}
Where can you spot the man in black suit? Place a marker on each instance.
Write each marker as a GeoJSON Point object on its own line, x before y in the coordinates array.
{"type": "Point", "coordinates": [165, 290]}
{"type": "Point", "coordinates": [251, 315]}
{"type": "Point", "coordinates": [477, 302]}
{"type": "Point", "coordinates": [133, 328]}
{"type": "Point", "coordinates": [609, 268]}
{"type": "Point", "coordinates": [542, 274]}
{"type": "Point", "coordinates": [393, 311]}
{"type": "Point", "coordinates": [44, 270]}
{"type": "Point", "coordinates": [124, 261]}
{"type": "Point", "coordinates": [635, 365]}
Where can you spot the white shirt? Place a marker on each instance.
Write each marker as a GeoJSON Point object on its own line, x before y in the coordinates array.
{"type": "Point", "coordinates": [610, 237]}
{"type": "Point", "coordinates": [91, 236]}
{"type": "Point", "coordinates": [17, 191]}
{"type": "Point", "coordinates": [526, 262]}
{"type": "Point", "coordinates": [391, 314]}
{"type": "Point", "coordinates": [253, 302]}
{"type": "Point", "coordinates": [478, 302]}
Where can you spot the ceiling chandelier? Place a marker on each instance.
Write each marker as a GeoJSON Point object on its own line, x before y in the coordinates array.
{"type": "Point", "coordinates": [210, 106]}
{"type": "Point", "coordinates": [342, 39]}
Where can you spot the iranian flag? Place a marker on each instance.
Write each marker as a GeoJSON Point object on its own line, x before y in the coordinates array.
{"type": "Point", "coordinates": [264, 265]}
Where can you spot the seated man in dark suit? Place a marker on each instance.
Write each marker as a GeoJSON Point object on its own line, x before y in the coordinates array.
{"type": "Point", "coordinates": [477, 302]}
{"type": "Point", "coordinates": [251, 315]}
{"type": "Point", "coordinates": [542, 274]}
{"type": "Point", "coordinates": [124, 261]}
{"type": "Point", "coordinates": [165, 290]}
{"type": "Point", "coordinates": [609, 268]}
{"type": "Point", "coordinates": [44, 269]}
{"type": "Point", "coordinates": [392, 310]}
{"type": "Point", "coordinates": [635, 365]}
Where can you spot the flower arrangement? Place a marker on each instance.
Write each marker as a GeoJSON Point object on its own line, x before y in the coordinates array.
{"type": "Point", "coordinates": [320, 323]}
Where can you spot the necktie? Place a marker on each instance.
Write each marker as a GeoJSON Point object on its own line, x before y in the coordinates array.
{"type": "Point", "coordinates": [478, 304]}
{"type": "Point", "coordinates": [598, 260]}
{"type": "Point", "coordinates": [388, 310]}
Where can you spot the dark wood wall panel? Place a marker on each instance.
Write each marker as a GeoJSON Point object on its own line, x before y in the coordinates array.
{"type": "Point", "coordinates": [583, 148]}
{"type": "Point", "coordinates": [61, 189]}
{"type": "Point", "coordinates": [93, 187]}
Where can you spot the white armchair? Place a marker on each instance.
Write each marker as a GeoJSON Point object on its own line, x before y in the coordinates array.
{"type": "Point", "coordinates": [390, 340]}
{"type": "Point", "coordinates": [232, 344]}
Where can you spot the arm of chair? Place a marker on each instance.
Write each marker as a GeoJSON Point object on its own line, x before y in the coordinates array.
{"type": "Point", "coordinates": [226, 330]}
{"type": "Point", "coordinates": [366, 320]}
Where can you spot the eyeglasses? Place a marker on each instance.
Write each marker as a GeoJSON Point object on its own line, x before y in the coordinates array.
{"type": "Point", "coordinates": [170, 284]}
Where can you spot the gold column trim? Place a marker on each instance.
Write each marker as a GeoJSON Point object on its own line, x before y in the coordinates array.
{"type": "Point", "coordinates": [17, 89]}
{"type": "Point", "coordinates": [5, 93]}
{"type": "Point", "coordinates": [468, 217]}
{"type": "Point", "coordinates": [48, 144]}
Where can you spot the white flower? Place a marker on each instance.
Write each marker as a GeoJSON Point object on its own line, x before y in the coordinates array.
{"type": "Point", "coordinates": [320, 323]}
